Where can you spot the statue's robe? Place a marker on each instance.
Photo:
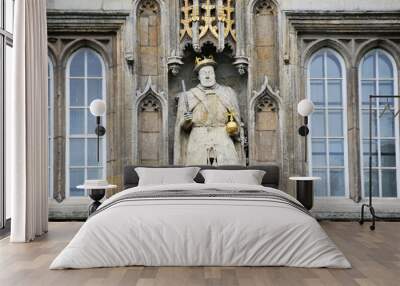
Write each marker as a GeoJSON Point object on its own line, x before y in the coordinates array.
{"type": "Point", "coordinates": [209, 107]}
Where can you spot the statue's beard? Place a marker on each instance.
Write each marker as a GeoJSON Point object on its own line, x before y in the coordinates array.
{"type": "Point", "coordinates": [208, 83]}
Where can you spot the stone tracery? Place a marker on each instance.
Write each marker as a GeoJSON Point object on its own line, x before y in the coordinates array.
{"type": "Point", "coordinates": [208, 21]}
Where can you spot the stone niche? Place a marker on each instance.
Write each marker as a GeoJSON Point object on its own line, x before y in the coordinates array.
{"type": "Point", "coordinates": [149, 130]}
{"type": "Point", "coordinates": [226, 74]}
{"type": "Point", "coordinates": [265, 55]}
{"type": "Point", "coordinates": [149, 72]}
{"type": "Point", "coordinates": [149, 43]}
{"type": "Point", "coordinates": [266, 130]}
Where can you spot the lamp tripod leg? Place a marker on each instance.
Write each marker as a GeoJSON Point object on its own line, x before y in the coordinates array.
{"type": "Point", "coordinates": [372, 210]}
{"type": "Point", "coordinates": [361, 221]}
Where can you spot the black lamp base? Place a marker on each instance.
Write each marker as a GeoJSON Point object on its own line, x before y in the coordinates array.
{"type": "Point", "coordinates": [373, 216]}
{"type": "Point", "coordinates": [96, 195]}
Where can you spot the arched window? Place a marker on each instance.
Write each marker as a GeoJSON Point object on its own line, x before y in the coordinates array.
{"type": "Point", "coordinates": [378, 76]}
{"type": "Point", "coordinates": [85, 82]}
{"type": "Point", "coordinates": [328, 139]}
{"type": "Point", "coordinates": [50, 112]}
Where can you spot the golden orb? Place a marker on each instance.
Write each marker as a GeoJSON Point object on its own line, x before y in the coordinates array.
{"type": "Point", "coordinates": [232, 128]}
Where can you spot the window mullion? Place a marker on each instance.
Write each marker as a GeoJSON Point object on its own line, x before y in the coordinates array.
{"type": "Point", "coordinates": [377, 122]}
{"type": "Point", "coordinates": [326, 125]}
{"type": "Point", "coordinates": [85, 119]}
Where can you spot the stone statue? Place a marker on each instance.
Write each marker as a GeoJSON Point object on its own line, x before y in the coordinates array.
{"type": "Point", "coordinates": [207, 129]}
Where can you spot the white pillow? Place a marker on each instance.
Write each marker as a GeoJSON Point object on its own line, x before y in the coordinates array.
{"type": "Point", "coordinates": [166, 176]}
{"type": "Point", "coordinates": [247, 177]}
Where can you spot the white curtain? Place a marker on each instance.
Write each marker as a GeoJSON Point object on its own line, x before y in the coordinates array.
{"type": "Point", "coordinates": [26, 117]}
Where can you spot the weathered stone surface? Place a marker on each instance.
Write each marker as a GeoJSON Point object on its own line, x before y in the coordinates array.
{"type": "Point", "coordinates": [144, 31]}
{"type": "Point", "coordinates": [150, 146]}
{"type": "Point", "coordinates": [265, 34]}
{"type": "Point", "coordinates": [266, 121]}
{"type": "Point", "coordinates": [149, 61]}
{"type": "Point", "coordinates": [266, 146]}
{"type": "Point", "coordinates": [136, 44]}
{"type": "Point", "coordinates": [150, 121]}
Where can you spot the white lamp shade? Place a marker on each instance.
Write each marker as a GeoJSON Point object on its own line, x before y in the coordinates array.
{"type": "Point", "coordinates": [305, 107]}
{"type": "Point", "coordinates": [98, 107]}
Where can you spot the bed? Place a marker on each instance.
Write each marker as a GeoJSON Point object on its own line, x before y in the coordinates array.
{"type": "Point", "coordinates": [198, 224]}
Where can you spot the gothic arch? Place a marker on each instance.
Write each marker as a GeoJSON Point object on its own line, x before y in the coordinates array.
{"type": "Point", "coordinates": [334, 45]}
{"type": "Point", "coordinates": [75, 45]}
{"type": "Point", "coordinates": [252, 4]}
{"type": "Point", "coordinates": [383, 44]}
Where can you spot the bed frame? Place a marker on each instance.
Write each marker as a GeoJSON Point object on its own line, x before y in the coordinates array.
{"type": "Point", "coordinates": [270, 179]}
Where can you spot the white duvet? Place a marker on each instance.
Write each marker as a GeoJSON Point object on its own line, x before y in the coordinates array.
{"type": "Point", "coordinates": [203, 232]}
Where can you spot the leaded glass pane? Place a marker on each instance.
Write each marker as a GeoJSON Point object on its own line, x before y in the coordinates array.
{"type": "Point", "coordinates": [368, 66]}
{"type": "Point", "coordinates": [389, 183]}
{"type": "Point", "coordinates": [317, 67]}
{"type": "Point", "coordinates": [386, 88]}
{"type": "Point", "coordinates": [385, 66]}
{"type": "Point", "coordinates": [76, 178]}
{"type": "Point", "coordinates": [77, 121]}
{"type": "Point", "coordinates": [317, 92]}
{"type": "Point", "coordinates": [336, 152]}
{"type": "Point", "coordinates": [388, 153]}
{"type": "Point", "coordinates": [386, 124]}
{"type": "Point", "coordinates": [320, 186]}
{"type": "Point", "coordinates": [337, 182]}
{"type": "Point", "coordinates": [335, 120]}
{"type": "Point", "coordinates": [76, 148]}
{"type": "Point", "coordinates": [77, 66]}
{"type": "Point", "coordinates": [77, 92]}
{"type": "Point", "coordinates": [374, 184]}
{"type": "Point", "coordinates": [91, 123]}
{"type": "Point", "coordinates": [367, 89]}
{"type": "Point", "coordinates": [95, 173]}
{"type": "Point", "coordinates": [335, 92]}
{"type": "Point", "coordinates": [333, 66]}
{"type": "Point", "coordinates": [374, 157]}
{"type": "Point", "coordinates": [94, 68]}
{"type": "Point", "coordinates": [365, 123]}
{"type": "Point", "coordinates": [318, 148]}
{"type": "Point", "coordinates": [95, 89]}
{"type": "Point", "coordinates": [318, 124]}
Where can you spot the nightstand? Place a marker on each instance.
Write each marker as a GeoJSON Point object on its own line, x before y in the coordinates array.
{"type": "Point", "coordinates": [304, 190]}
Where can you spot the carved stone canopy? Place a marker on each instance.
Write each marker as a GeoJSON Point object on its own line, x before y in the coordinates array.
{"type": "Point", "coordinates": [266, 97]}
{"type": "Point", "coordinates": [150, 90]}
{"type": "Point", "coordinates": [208, 21]}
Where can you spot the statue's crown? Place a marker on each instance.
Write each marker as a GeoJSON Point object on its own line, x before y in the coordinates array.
{"type": "Point", "coordinates": [205, 61]}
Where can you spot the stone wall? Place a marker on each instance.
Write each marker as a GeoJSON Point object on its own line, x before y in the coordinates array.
{"type": "Point", "coordinates": [146, 62]}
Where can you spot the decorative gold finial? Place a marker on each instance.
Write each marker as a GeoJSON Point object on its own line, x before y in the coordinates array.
{"type": "Point", "coordinates": [205, 61]}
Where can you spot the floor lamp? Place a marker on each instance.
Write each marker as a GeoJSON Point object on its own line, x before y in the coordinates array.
{"type": "Point", "coordinates": [369, 205]}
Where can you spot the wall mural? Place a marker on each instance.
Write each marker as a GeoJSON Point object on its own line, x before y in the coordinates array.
{"type": "Point", "coordinates": [149, 51]}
